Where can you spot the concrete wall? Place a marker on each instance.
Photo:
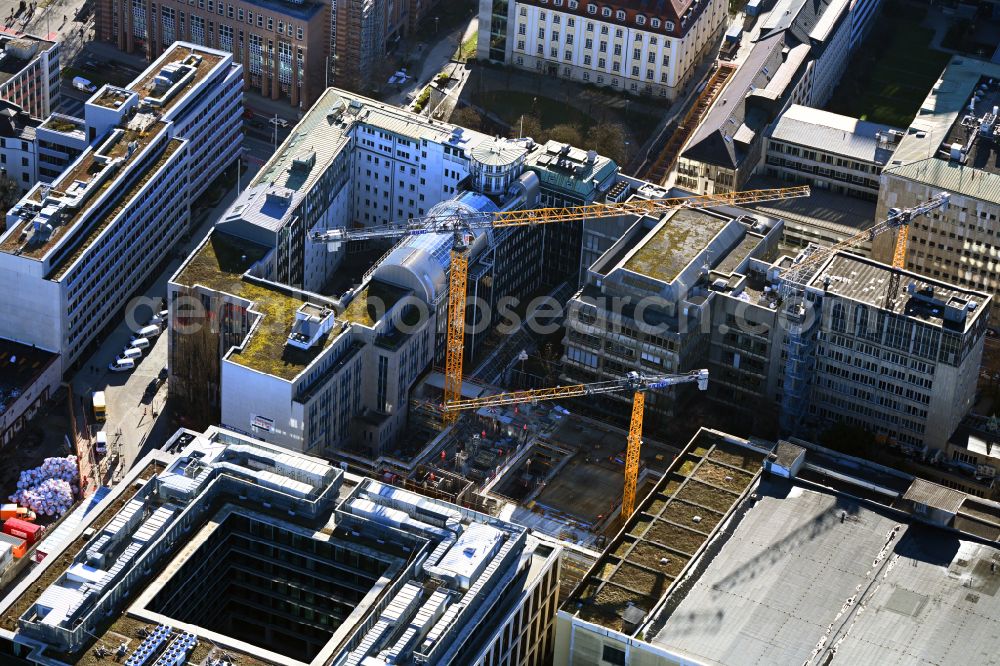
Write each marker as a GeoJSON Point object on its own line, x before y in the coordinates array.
{"type": "Point", "coordinates": [32, 310]}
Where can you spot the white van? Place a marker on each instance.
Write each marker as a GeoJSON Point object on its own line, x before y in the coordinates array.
{"type": "Point", "coordinates": [132, 353]}
{"type": "Point", "coordinates": [146, 332]}
{"type": "Point", "coordinates": [121, 365]}
{"type": "Point", "coordinates": [102, 443]}
{"type": "Point", "coordinates": [140, 343]}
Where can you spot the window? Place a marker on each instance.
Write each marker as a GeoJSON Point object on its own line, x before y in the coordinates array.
{"type": "Point", "coordinates": [640, 20]}
{"type": "Point", "coordinates": [620, 15]}
{"type": "Point", "coordinates": [655, 23]}
{"type": "Point", "coordinates": [591, 8]}
{"type": "Point", "coordinates": [613, 655]}
{"type": "Point", "coordinates": [298, 33]}
{"type": "Point", "coordinates": [606, 11]}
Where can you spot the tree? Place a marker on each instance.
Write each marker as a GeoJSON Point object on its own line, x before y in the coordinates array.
{"type": "Point", "coordinates": [608, 139]}
{"type": "Point", "coordinates": [467, 117]}
{"type": "Point", "coordinates": [567, 133]}
{"type": "Point", "coordinates": [528, 126]}
{"type": "Point", "coordinates": [10, 193]}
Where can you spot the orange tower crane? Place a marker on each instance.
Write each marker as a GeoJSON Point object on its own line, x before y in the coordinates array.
{"type": "Point", "coordinates": [633, 381]}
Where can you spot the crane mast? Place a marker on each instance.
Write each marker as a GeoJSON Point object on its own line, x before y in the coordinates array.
{"type": "Point", "coordinates": [636, 382]}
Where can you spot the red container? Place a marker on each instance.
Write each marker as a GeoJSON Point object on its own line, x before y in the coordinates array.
{"type": "Point", "coordinates": [22, 529]}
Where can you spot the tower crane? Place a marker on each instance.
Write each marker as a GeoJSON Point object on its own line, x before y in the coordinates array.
{"type": "Point", "coordinates": [636, 382]}
{"type": "Point", "coordinates": [462, 225]}
{"type": "Point", "coordinates": [898, 220]}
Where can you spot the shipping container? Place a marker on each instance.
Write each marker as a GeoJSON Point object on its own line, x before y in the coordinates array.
{"type": "Point", "coordinates": [18, 546]}
{"type": "Point", "coordinates": [22, 529]}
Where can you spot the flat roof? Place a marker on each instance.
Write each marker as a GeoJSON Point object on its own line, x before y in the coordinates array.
{"type": "Point", "coordinates": [325, 130]}
{"type": "Point", "coordinates": [922, 298]}
{"type": "Point", "coordinates": [923, 154]}
{"type": "Point", "coordinates": [809, 574]}
{"type": "Point", "coordinates": [10, 62]}
{"type": "Point", "coordinates": [667, 531]}
{"type": "Point", "coordinates": [674, 244]}
{"type": "Point", "coordinates": [20, 366]}
{"type": "Point", "coordinates": [837, 212]}
{"type": "Point", "coordinates": [219, 264]}
{"type": "Point", "coordinates": [141, 130]}
{"type": "Point", "coordinates": [834, 133]}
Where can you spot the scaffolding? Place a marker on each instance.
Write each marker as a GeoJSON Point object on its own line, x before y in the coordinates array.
{"type": "Point", "coordinates": [664, 163]}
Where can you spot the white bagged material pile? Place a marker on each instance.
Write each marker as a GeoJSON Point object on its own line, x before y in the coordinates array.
{"type": "Point", "coordinates": [48, 489]}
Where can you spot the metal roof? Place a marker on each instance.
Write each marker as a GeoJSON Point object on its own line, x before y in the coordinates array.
{"type": "Point", "coordinates": [934, 496]}
{"type": "Point", "coordinates": [865, 281]}
{"type": "Point", "coordinates": [807, 575]}
{"type": "Point", "coordinates": [939, 117]}
{"type": "Point", "coordinates": [833, 133]}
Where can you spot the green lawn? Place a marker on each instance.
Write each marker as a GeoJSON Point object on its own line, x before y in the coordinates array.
{"type": "Point", "coordinates": [467, 49]}
{"type": "Point", "coordinates": [892, 72]}
{"type": "Point", "coordinates": [511, 105]}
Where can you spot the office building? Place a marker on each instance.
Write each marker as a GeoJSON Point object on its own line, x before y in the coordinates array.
{"type": "Point", "coordinates": [636, 47]}
{"type": "Point", "coordinates": [29, 73]}
{"type": "Point", "coordinates": [18, 146]}
{"type": "Point", "coordinates": [224, 544]}
{"type": "Point", "coordinates": [316, 353]}
{"type": "Point", "coordinates": [829, 152]}
{"type": "Point", "coordinates": [784, 553]}
{"type": "Point", "coordinates": [281, 46]}
{"type": "Point", "coordinates": [797, 58]}
{"type": "Point", "coordinates": [951, 146]}
{"type": "Point", "coordinates": [904, 368]}
{"type": "Point", "coordinates": [76, 249]}
{"type": "Point", "coordinates": [700, 289]}
{"type": "Point", "coordinates": [840, 158]}
{"type": "Point", "coordinates": [647, 305]}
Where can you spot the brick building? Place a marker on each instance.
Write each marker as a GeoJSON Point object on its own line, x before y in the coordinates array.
{"type": "Point", "coordinates": [282, 46]}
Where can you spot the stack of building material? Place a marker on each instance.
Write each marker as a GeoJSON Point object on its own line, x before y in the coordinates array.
{"type": "Point", "coordinates": [49, 489]}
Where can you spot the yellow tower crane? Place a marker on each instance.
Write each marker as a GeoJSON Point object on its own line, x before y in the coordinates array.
{"type": "Point", "coordinates": [462, 225]}
{"type": "Point", "coordinates": [633, 381]}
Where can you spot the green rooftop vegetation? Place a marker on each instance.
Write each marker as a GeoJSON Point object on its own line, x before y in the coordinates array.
{"type": "Point", "coordinates": [665, 253]}
{"type": "Point", "coordinates": [357, 310]}
{"type": "Point", "coordinates": [60, 125]}
{"type": "Point", "coordinates": [60, 268]}
{"type": "Point", "coordinates": [220, 263]}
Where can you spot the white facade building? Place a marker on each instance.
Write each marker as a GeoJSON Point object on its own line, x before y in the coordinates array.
{"type": "Point", "coordinates": [637, 47]}
{"type": "Point", "coordinates": [73, 252]}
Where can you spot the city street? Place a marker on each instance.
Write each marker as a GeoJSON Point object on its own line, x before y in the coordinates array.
{"type": "Point", "coordinates": [132, 421]}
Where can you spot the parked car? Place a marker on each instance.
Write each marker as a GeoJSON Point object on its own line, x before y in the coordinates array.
{"type": "Point", "coordinates": [102, 442]}
{"type": "Point", "coordinates": [83, 84]}
{"type": "Point", "coordinates": [145, 332]}
{"type": "Point", "coordinates": [158, 319]}
{"type": "Point", "coordinates": [121, 365]}
{"type": "Point", "coordinates": [133, 353]}
{"type": "Point", "coordinates": [139, 343]}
